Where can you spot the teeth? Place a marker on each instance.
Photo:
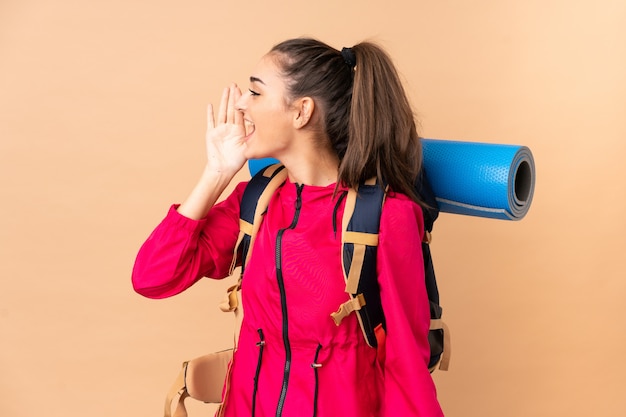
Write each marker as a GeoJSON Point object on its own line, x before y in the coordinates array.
{"type": "Point", "coordinates": [249, 127]}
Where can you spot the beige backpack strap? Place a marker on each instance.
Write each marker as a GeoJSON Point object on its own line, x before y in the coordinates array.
{"type": "Point", "coordinates": [232, 303]}
{"type": "Point", "coordinates": [233, 262]}
{"type": "Point", "coordinates": [352, 278]}
{"type": "Point", "coordinates": [177, 389]}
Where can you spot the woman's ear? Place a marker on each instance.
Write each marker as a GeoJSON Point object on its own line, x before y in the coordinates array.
{"type": "Point", "coordinates": [304, 112]}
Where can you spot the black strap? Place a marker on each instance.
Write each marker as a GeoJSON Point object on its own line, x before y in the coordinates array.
{"type": "Point", "coordinates": [255, 190]}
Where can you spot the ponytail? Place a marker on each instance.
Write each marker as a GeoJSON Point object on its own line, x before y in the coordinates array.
{"type": "Point", "coordinates": [383, 140]}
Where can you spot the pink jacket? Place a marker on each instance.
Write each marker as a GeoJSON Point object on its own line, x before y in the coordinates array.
{"type": "Point", "coordinates": [292, 360]}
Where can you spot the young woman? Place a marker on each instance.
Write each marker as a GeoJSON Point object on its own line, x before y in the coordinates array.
{"type": "Point", "coordinates": [333, 119]}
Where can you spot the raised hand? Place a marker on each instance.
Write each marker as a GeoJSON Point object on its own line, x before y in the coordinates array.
{"type": "Point", "coordinates": [225, 143]}
{"type": "Point", "coordinates": [225, 147]}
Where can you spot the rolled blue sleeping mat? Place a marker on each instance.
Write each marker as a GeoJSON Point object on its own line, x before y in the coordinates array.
{"type": "Point", "coordinates": [480, 179]}
{"type": "Point", "coordinates": [475, 179]}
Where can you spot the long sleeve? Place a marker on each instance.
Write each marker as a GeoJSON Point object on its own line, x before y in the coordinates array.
{"type": "Point", "coordinates": [180, 250]}
{"type": "Point", "coordinates": [409, 388]}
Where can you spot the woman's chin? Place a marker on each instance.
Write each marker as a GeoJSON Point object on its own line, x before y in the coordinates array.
{"type": "Point", "coordinates": [249, 153]}
{"type": "Point", "coordinates": [252, 152]}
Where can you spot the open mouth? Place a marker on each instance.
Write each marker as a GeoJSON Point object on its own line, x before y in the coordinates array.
{"type": "Point", "coordinates": [249, 126]}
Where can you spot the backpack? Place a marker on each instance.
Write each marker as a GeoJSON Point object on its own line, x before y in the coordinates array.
{"type": "Point", "coordinates": [360, 226]}
{"type": "Point", "coordinates": [204, 377]}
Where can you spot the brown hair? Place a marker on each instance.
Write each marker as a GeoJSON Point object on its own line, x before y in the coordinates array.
{"type": "Point", "coordinates": [366, 113]}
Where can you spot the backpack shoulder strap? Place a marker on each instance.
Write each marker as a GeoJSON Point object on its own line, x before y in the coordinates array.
{"type": "Point", "coordinates": [360, 226]}
{"type": "Point", "coordinates": [439, 335]}
{"type": "Point", "coordinates": [254, 202]}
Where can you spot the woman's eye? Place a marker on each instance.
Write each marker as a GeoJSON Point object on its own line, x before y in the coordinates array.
{"type": "Point", "coordinates": [254, 93]}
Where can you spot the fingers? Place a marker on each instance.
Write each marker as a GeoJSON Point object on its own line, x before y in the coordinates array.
{"type": "Point", "coordinates": [223, 111]}
{"type": "Point", "coordinates": [227, 112]}
{"type": "Point", "coordinates": [231, 105]}
{"type": "Point", "coordinates": [238, 114]}
{"type": "Point", "coordinates": [233, 115]}
{"type": "Point", "coordinates": [210, 117]}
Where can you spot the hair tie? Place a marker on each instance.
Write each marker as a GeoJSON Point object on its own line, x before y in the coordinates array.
{"type": "Point", "coordinates": [349, 57]}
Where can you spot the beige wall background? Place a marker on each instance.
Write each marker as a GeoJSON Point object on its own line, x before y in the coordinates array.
{"type": "Point", "coordinates": [102, 116]}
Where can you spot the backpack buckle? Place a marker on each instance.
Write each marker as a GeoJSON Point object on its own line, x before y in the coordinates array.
{"type": "Point", "coordinates": [354, 304]}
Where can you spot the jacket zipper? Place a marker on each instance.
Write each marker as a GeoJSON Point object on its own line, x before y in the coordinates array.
{"type": "Point", "coordinates": [339, 200]}
{"type": "Point", "coordinates": [315, 365]}
{"type": "Point", "coordinates": [261, 345]}
{"type": "Point", "coordinates": [283, 300]}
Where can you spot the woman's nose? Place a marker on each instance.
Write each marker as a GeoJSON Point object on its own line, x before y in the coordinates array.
{"type": "Point", "coordinates": [240, 104]}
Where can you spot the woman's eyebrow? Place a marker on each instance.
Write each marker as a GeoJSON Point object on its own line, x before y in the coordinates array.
{"type": "Point", "coordinates": [256, 79]}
